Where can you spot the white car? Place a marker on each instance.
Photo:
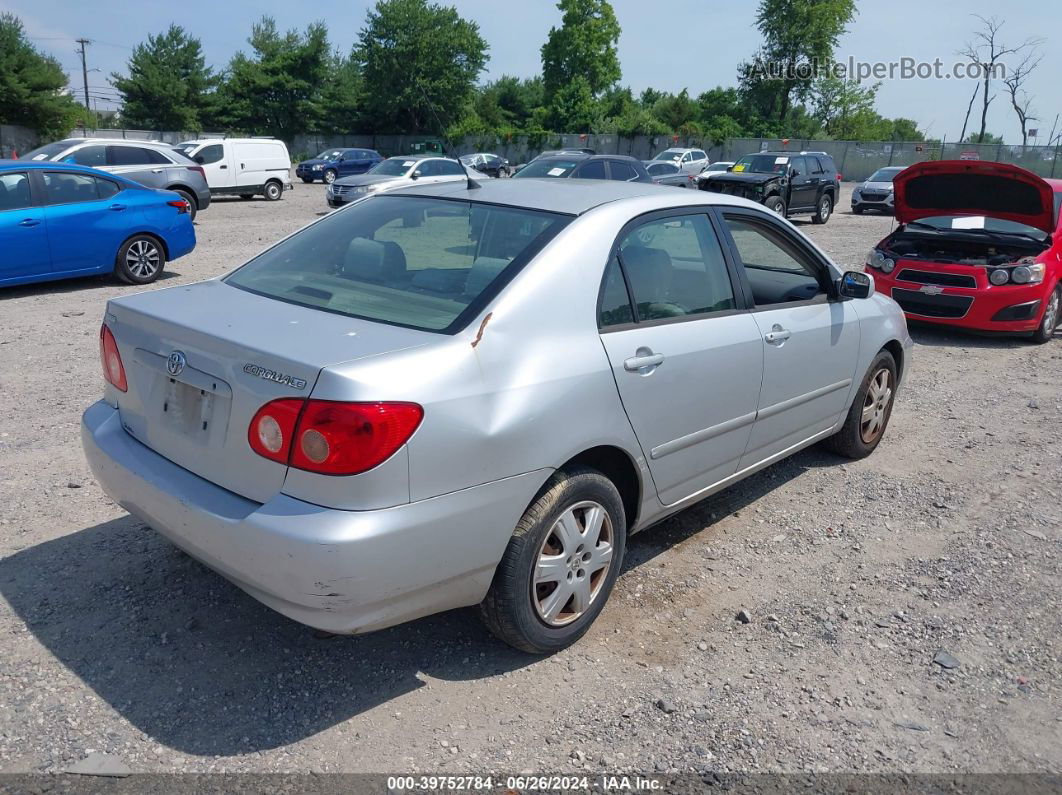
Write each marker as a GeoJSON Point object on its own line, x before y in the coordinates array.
{"type": "Point", "coordinates": [242, 167]}
{"type": "Point", "coordinates": [690, 161]}
{"type": "Point", "coordinates": [399, 172]}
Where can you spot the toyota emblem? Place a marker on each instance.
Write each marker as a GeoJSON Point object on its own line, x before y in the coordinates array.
{"type": "Point", "coordinates": [175, 364]}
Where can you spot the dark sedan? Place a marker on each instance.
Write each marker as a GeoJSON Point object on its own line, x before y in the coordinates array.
{"type": "Point", "coordinates": [575, 165]}
{"type": "Point", "coordinates": [487, 163]}
{"type": "Point", "coordinates": [334, 163]}
{"type": "Point", "coordinates": [667, 173]}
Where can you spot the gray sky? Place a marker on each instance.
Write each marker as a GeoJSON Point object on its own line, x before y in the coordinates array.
{"type": "Point", "coordinates": [694, 44]}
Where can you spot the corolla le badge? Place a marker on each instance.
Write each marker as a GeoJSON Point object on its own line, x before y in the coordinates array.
{"type": "Point", "coordinates": [273, 375]}
{"type": "Point", "coordinates": [176, 362]}
{"type": "Point", "coordinates": [931, 289]}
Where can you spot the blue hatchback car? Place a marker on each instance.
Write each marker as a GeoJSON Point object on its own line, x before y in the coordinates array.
{"type": "Point", "coordinates": [60, 221]}
{"type": "Point", "coordinates": [334, 163]}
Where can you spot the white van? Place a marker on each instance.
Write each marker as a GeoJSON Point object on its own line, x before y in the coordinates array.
{"type": "Point", "coordinates": [242, 166]}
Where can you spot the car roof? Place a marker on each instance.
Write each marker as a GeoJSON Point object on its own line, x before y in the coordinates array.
{"type": "Point", "coordinates": [569, 196]}
{"type": "Point", "coordinates": [126, 141]}
{"type": "Point", "coordinates": [51, 165]}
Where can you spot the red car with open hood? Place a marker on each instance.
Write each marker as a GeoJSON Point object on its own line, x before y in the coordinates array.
{"type": "Point", "coordinates": [979, 246]}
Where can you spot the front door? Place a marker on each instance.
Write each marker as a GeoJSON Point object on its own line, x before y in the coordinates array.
{"type": "Point", "coordinates": [23, 234]}
{"type": "Point", "coordinates": [803, 185]}
{"type": "Point", "coordinates": [686, 358]}
{"type": "Point", "coordinates": [810, 342]}
{"type": "Point", "coordinates": [216, 165]}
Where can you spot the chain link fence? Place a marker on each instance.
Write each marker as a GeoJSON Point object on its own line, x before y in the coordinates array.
{"type": "Point", "coordinates": [856, 160]}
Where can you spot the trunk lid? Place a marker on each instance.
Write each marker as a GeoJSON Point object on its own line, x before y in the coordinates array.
{"type": "Point", "coordinates": [201, 359]}
{"type": "Point", "coordinates": [973, 188]}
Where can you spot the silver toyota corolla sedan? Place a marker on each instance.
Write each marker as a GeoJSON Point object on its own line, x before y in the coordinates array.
{"type": "Point", "coordinates": [453, 395]}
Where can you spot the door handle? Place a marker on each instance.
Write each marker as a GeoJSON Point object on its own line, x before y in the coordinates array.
{"type": "Point", "coordinates": [222, 167]}
{"type": "Point", "coordinates": [157, 170]}
{"type": "Point", "coordinates": [242, 165]}
{"type": "Point", "coordinates": [777, 335]}
{"type": "Point", "coordinates": [644, 360]}
{"type": "Point", "coordinates": [117, 207]}
{"type": "Point", "coordinates": [29, 222]}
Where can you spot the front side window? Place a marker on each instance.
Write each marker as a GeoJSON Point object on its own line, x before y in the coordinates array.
{"type": "Point", "coordinates": [675, 268]}
{"type": "Point", "coordinates": [69, 188]}
{"type": "Point", "coordinates": [394, 167]}
{"type": "Point", "coordinates": [92, 156]}
{"type": "Point", "coordinates": [15, 191]}
{"type": "Point", "coordinates": [448, 168]}
{"type": "Point", "coordinates": [778, 271]}
{"type": "Point", "coordinates": [409, 261]}
{"type": "Point", "coordinates": [210, 154]}
{"type": "Point", "coordinates": [800, 166]}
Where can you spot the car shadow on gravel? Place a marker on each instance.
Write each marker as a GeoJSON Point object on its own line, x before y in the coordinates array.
{"type": "Point", "coordinates": [77, 285]}
{"type": "Point", "coordinates": [201, 667]}
{"type": "Point", "coordinates": [949, 337]}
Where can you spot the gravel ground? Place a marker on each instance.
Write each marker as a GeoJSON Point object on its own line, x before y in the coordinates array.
{"type": "Point", "coordinates": [903, 611]}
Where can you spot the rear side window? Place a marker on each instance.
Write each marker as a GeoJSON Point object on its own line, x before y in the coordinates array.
{"type": "Point", "coordinates": [424, 263]}
{"type": "Point", "coordinates": [675, 268]}
{"type": "Point", "coordinates": [595, 169]}
{"type": "Point", "coordinates": [620, 171]}
{"type": "Point", "coordinates": [15, 191]}
{"type": "Point", "coordinates": [134, 156]}
{"type": "Point", "coordinates": [105, 188]}
{"type": "Point", "coordinates": [94, 156]}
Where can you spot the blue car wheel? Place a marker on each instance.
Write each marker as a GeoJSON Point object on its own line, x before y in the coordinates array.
{"type": "Point", "coordinates": [140, 260]}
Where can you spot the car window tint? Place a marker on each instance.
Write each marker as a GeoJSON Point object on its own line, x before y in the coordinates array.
{"type": "Point", "coordinates": [615, 304]}
{"type": "Point", "coordinates": [777, 270]}
{"type": "Point", "coordinates": [815, 165]}
{"type": "Point", "coordinates": [699, 155]}
{"type": "Point", "coordinates": [427, 168]}
{"type": "Point", "coordinates": [93, 156]}
{"type": "Point", "coordinates": [800, 165]}
{"type": "Point", "coordinates": [105, 188]}
{"type": "Point", "coordinates": [134, 156]}
{"type": "Point", "coordinates": [69, 188]}
{"type": "Point", "coordinates": [15, 191]}
{"type": "Point", "coordinates": [449, 168]}
{"type": "Point", "coordinates": [210, 154]}
{"type": "Point", "coordinates": [675, 268]}
{"type": "Point", "coordinates": [413, 261]}
{"type": "Point", "coordinates": [623, 172]}
{"type": "Point", "coordinates": [595, 169]}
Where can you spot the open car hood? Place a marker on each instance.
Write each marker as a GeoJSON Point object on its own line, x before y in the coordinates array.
{"type": "Point", "coordinates": [964, 187]}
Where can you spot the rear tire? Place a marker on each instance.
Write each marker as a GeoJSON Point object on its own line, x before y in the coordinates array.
{"type": "Point", "coordinates": [1050, 320]}
{"type": "Point", "coordinates": [188, 197]}
{"type": "Point", "coordinates": [824, 210]}
{"type": "Point", "coordinates": [775, 204]}
{"type": "Point", "coordinates": [273, 190]}
{"type": "Point", "coordinates": [140, 260]}
{"type": "Point", "coordinates": [869, 414]}
{"type": "Point", "coordinates": [561, 564]}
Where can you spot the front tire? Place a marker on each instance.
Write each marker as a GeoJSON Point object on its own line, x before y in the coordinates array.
{"type": "Point", "coordinates": [560, 565]}
{"type": "Point", "coordinates": [1050, 320]}
{"type": "Point", "coordinates": [776, 204]}
{"type": "Point", "coordinates": [329, 176]}
{"type": "Point", "coordinates": [140, 260]}
{"type": "Point", "coordinates": [869, 414]}
{"type": "Point", "coordinates": [273, 190]}
{"type": "Point", "coordinates": [824, 210]}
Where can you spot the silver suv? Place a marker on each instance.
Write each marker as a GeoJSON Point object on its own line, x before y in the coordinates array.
{"type": "Point", "coordinates": [151, 163]}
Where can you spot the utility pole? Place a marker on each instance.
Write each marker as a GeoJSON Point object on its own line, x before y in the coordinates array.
{"type": "Point", "coordinates": [84, 68]}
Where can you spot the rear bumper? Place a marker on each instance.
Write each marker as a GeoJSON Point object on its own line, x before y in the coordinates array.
{"type": "Point", "coordinates": [340, 571]}
{"type": "Point", "coordinates": [180, 239]}
{"type": "Point", "coordinates": [1012, 308]}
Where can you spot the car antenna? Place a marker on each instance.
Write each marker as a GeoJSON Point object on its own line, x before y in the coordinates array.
{"type": "Point", "coordinates": [471, 184]}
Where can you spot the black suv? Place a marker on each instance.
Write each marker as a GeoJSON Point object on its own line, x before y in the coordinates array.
{"type": "Point", "coordinates": [789, 183]}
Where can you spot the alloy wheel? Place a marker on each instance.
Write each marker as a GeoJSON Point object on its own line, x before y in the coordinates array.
{"type": "Point", "coordinates": [824, 208]}
{"type": "Point", "coordinates": [1050, 321]}
{"type": "Point", "coordinates": [876, 406]}
{"type": "Point", "coordinates": [142, 258]}
{"type": "Point", "coordinates": [330, 177]}
{"type": "Point", "coordinates": [573, 564]}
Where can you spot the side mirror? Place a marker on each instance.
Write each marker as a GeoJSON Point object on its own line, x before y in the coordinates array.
{"type": "Point", "coordinates": [729, 168]}
{"type": "Point", "coordinates": [794, 173]}
{"type": "Point", "coordinates": [855, 284]}
{"type": "Point", "coordinates": [200, 159]}
{"type": "Point", "coordinates": [415, 175]}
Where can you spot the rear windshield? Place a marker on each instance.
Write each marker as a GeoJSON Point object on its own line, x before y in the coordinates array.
{"type": "Point", "coordinates": [548, 168]}
{"type": "Point", "coordinates": [428, 264]}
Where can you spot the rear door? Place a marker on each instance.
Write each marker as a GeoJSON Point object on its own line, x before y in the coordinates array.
{"type": "Point", "coordinates": [810, 342]}
{"type": "Point", "coordinates": [686, 356]}
{"type": "Point", "coordinates": [87, 221]}
{"type": "Point", "coordinates": [23, 234]}
{"type": "Point", "coordinates": [140, 164]}
{"type": "Point", "coordinates": [216, 161]}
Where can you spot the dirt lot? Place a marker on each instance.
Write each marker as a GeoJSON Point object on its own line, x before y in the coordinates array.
{"type": "Point", "coordinates": [855, 576]}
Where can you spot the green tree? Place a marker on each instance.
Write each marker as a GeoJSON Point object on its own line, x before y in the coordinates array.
{"type": "Point", "coordinates": [582, 49]}
{"type": "Point", "coordinates": [32, 84]}
{"type": "Point", "coordinates": [341, 96]}
{"type": "Point", "coordinates": [798, 41]}
{"type": "Point", "coordinates": [573, 107]}
{"type": "Point", "coordinates": [422, 61]}
{"type": "Point", "coordinates": [676, 110]}
{"type": "Point", "coordinates": [277, 90]}
{"type": "Point", "coordinates": [168, 83]}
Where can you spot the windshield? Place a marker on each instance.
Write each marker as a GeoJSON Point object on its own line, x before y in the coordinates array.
{"type": "Point", "coordinates": [669, 155]}
{"type": "Point", "coordinates": [411, 261]}
{"type": "Point", "coordinates": [762, 164]}
{"type": "Point", "coordinates": [978, 224]}
{"type": "Point", "coordinates": [548, 168]}
{"type": "Point", "coordinates": [47, 152]}
{"type": "Point", "coordinates": [393, 167]}
{"type": "Point", "coordinates": [884, 175]}
{"type": "Point", "coordinates": [185, 148]}
{"type": "Point", "coordinates": [329, 154]}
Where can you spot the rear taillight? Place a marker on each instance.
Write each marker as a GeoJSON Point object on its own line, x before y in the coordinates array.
{"type": "Point", "coordinates": [180, 204]}
{"type": "Point", "coordinates": [198, 169]}
{"type": "Point", "coordinates": [331, 437]}
{"type": "Point", "coordinates": [113, 370]}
